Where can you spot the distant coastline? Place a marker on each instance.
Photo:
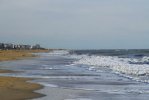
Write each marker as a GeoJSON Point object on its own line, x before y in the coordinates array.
{"type": "Point", "coordinates": [9, 51]}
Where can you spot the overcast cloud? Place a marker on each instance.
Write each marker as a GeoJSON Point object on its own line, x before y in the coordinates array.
{"type": "Point", "coordinates": [78, 24]}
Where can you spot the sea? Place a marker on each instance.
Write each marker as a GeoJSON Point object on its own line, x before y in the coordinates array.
{"type": "Point", "coordinates": [116, 74]}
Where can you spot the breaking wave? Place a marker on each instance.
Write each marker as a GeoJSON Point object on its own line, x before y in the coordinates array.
{"type": "Point", "coordinates": [59, 52]}
{"type": "Point", "coordinates": [129, 66]}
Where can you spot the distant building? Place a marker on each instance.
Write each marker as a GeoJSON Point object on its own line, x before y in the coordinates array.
{"type": "Point", "coordinates": [27, 47]}
{"type": "Point", "coordinates": [16, 46]}
{"type": "Point", "coordinates": [1, 46]}
{"type": "Point", "coordinates": [37, 46]}
{"type": "Point", "coordinates": [10, 46]}
{"type": "Point", "coordinates": [22, 47]}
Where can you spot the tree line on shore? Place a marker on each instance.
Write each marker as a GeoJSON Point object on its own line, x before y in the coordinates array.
{"type": "Point", "coordinates": [10, 46]}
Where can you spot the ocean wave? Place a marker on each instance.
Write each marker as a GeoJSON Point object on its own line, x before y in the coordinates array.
{"type": "Point", "coordinates": [48, 85]}
{"type": "Point", "coordinates": [115, 63]}
{"type": "Point", "coordinates": [59, 52]}
{"type": "Point", "coordinates": [143, 60]}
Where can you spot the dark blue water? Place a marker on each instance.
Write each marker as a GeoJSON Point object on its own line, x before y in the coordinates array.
{"type": "Point", "coordinates": [114, 52]}
{"type": "Point", "coordinates": [122, 53]}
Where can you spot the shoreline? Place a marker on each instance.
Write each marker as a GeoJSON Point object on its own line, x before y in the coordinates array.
{"type": "Point", "coordinates": [14, 88]}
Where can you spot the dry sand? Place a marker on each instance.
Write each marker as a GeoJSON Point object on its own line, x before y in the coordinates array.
{"type": "Point", "coordinates": [18, 54]}
{"type": "Point", "coordinates": [12, 88]}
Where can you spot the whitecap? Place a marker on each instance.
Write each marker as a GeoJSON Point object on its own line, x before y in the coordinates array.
{"type": "Point", "coordinates": [115, 63]}
{"type": "Point", "coordinates": [59, 52]}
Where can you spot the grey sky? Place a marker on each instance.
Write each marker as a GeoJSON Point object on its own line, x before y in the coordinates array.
{"type": "Point", "coordinates": [78, 24]}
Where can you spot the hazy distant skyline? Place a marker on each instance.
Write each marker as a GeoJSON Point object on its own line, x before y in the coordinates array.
{"type": "Point", "coordinates": [76, 24]}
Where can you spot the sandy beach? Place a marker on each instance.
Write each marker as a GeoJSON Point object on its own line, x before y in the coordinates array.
{"type": "Point", "coordinates": [63, 79]}
{"type": "Point", "coordinates": [12, 88]}
{"type": "Point", "coordinates": [6, 55]}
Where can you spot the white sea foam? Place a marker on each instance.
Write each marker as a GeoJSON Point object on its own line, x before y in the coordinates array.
{"type": "Point", "coordinates": [47, 84]}
{"type": "Point", "coordinates": [59, 52]}
{"type": "Point", "coordinates": [45, 65]}
{"type": "Point", "coordinates": [141, 60]}
{"type": "Point", "coordinates": [117, 64]}
{"type": "Point", "coordinates": [47, 68]}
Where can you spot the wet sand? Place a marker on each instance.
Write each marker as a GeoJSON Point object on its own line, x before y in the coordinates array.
{"type": "Point", "coordinates": [57, 93]}
{"type": "Point", "coordinates": [7, 71]}
{"type": "Point", "coordinates": [12, 88]}
{"type": "Point", "coordinates": [60, 93]}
